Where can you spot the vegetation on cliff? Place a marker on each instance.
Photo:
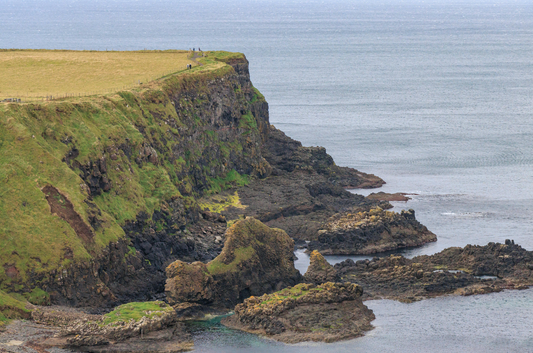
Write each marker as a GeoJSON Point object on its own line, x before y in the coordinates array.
{"type": "Point", "coordinates": [75, 172]}
{"type": "Point", "coordinates": [11, 308]}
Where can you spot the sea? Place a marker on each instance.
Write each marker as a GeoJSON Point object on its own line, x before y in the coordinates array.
{"type": "Point", "coordinates": [435, 97]}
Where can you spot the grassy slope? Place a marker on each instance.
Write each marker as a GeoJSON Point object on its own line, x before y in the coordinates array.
{"type": "Point", "coordinates": [33, 143]}
{"type": "Point", "coordinates": [11, 308]}
{"type": "Point", "coordinates": [38, 73]}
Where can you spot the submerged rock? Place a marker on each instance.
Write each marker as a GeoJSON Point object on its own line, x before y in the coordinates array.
{"type": "Point", "coordinates": [370, 232]}
{"type": "Point", "coordinates": [319, 270]}
{"type": "Point", "coordinates": [329, 312]}
{"type": "Point", "coordinates": [255, 260]}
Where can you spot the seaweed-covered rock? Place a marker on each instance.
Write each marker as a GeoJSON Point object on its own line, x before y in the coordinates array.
{"type": "Point", "coordinates": [329, 312]}
{"type": "Point", "coordinates": [370, 232]}
{"type": "Point", "coordinates": [319, 270]}
{"type": "Point", "coordinates": [255, 260]}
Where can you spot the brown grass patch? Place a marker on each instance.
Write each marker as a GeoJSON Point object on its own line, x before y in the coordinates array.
{"type": "Point", "coordinates": [61, 206]}
{"type": "Point", "coordinates": [41, 73]}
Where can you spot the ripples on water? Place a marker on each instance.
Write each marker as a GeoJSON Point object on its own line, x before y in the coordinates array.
{"type": "Point", "coordinates": [434, 97]}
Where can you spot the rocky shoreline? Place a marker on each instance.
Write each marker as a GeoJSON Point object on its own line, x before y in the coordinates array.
{"type": "Point", "coordinates": [191, 203]}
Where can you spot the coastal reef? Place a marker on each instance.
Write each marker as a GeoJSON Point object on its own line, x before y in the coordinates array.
{"type": "Point", "coordinates": [328, 312]}
{"type": "Point", "coordinates": [470, 270]}
{"type": "Point", "coordinates": [255, 260]}
{"type": "Point", "coordinates": [367, 232]}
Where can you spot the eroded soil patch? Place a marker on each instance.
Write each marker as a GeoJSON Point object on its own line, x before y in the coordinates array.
{"type": "Point", "coordinates": [61, 206]}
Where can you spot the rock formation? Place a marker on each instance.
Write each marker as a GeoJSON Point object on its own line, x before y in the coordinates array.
{"type": "Point", "coordinates": [370, 232]}
{"type": "Point", "coordinates": [133, 327]}
{"type": "Point", "coordinates": [319, 270]}
{"type": "Point", "coordinates": [255, 260]}
{"type": "Point", "coordinates": [464, 271]}
{"type": "Point", "coordinates": [329, 312]}
{"type": "Point", "coordinates": [304, 189]}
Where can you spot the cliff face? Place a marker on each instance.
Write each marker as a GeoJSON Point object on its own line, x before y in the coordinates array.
{"type": "Point", "coordinates": [97, 193]}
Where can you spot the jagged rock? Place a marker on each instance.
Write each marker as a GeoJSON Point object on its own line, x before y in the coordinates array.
{"type": "Point", "coordinates": [329, 312]}
{"type": "Point", "coordinates": [255, 259]}
{"type": "Point", "coordinates": [319, 270]}
{"type": "Point", "coordinates": [452, 271]}
{"type": "Point", "coordinates": [370, 232]}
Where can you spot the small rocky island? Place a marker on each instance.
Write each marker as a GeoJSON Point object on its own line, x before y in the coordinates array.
{"type": "Point", "coordinates": [368, 232]}
{"type": "Point", "coordinates": [306, 312]}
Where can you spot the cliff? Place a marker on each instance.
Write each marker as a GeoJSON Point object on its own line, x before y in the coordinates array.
{"type": "Point", "coordinates": [100, 194]}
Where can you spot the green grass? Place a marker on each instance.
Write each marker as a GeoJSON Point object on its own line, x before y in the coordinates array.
{"type": "Point", "coordinates": [242, 254]}
{"type": "Point", "coordinates": [218, 203]}
{"type": "Point", "coordinates": [38, 297]}
{"type": "Point", "coordinates": [230, 180]}
{"type": "Point", "coordinates": [295, 292]}
{"type": "Point", "coordinates": [248, 121]}
{"type": "Point", "coordinates": [136, 311]}
{"type": "Point", "coordinates": [11, 308]}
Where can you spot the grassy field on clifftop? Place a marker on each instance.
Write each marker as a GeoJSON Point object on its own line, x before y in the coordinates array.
{"type": "Point", "coordinates": [39, 73]}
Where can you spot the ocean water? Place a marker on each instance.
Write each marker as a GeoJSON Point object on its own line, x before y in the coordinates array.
{"type": "Point", "coordinates": [435, 97]}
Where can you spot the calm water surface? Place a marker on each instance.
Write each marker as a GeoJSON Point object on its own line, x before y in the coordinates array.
{"type": "Point", "coordinates": [434, 97]}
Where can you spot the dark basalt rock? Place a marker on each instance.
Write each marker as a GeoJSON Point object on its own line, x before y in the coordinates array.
{"type": "Point", "coordinates": [452, 271]}
{"type": "Point", "coordinates": [368, 232]}
{"type": "Point", "coordinates": [329, 312]}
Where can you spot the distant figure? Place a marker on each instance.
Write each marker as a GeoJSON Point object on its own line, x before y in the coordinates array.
{"type": "Point", "coordinates": [199, 49]}
{"type": "Point", "coordinates": [192, 49]}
